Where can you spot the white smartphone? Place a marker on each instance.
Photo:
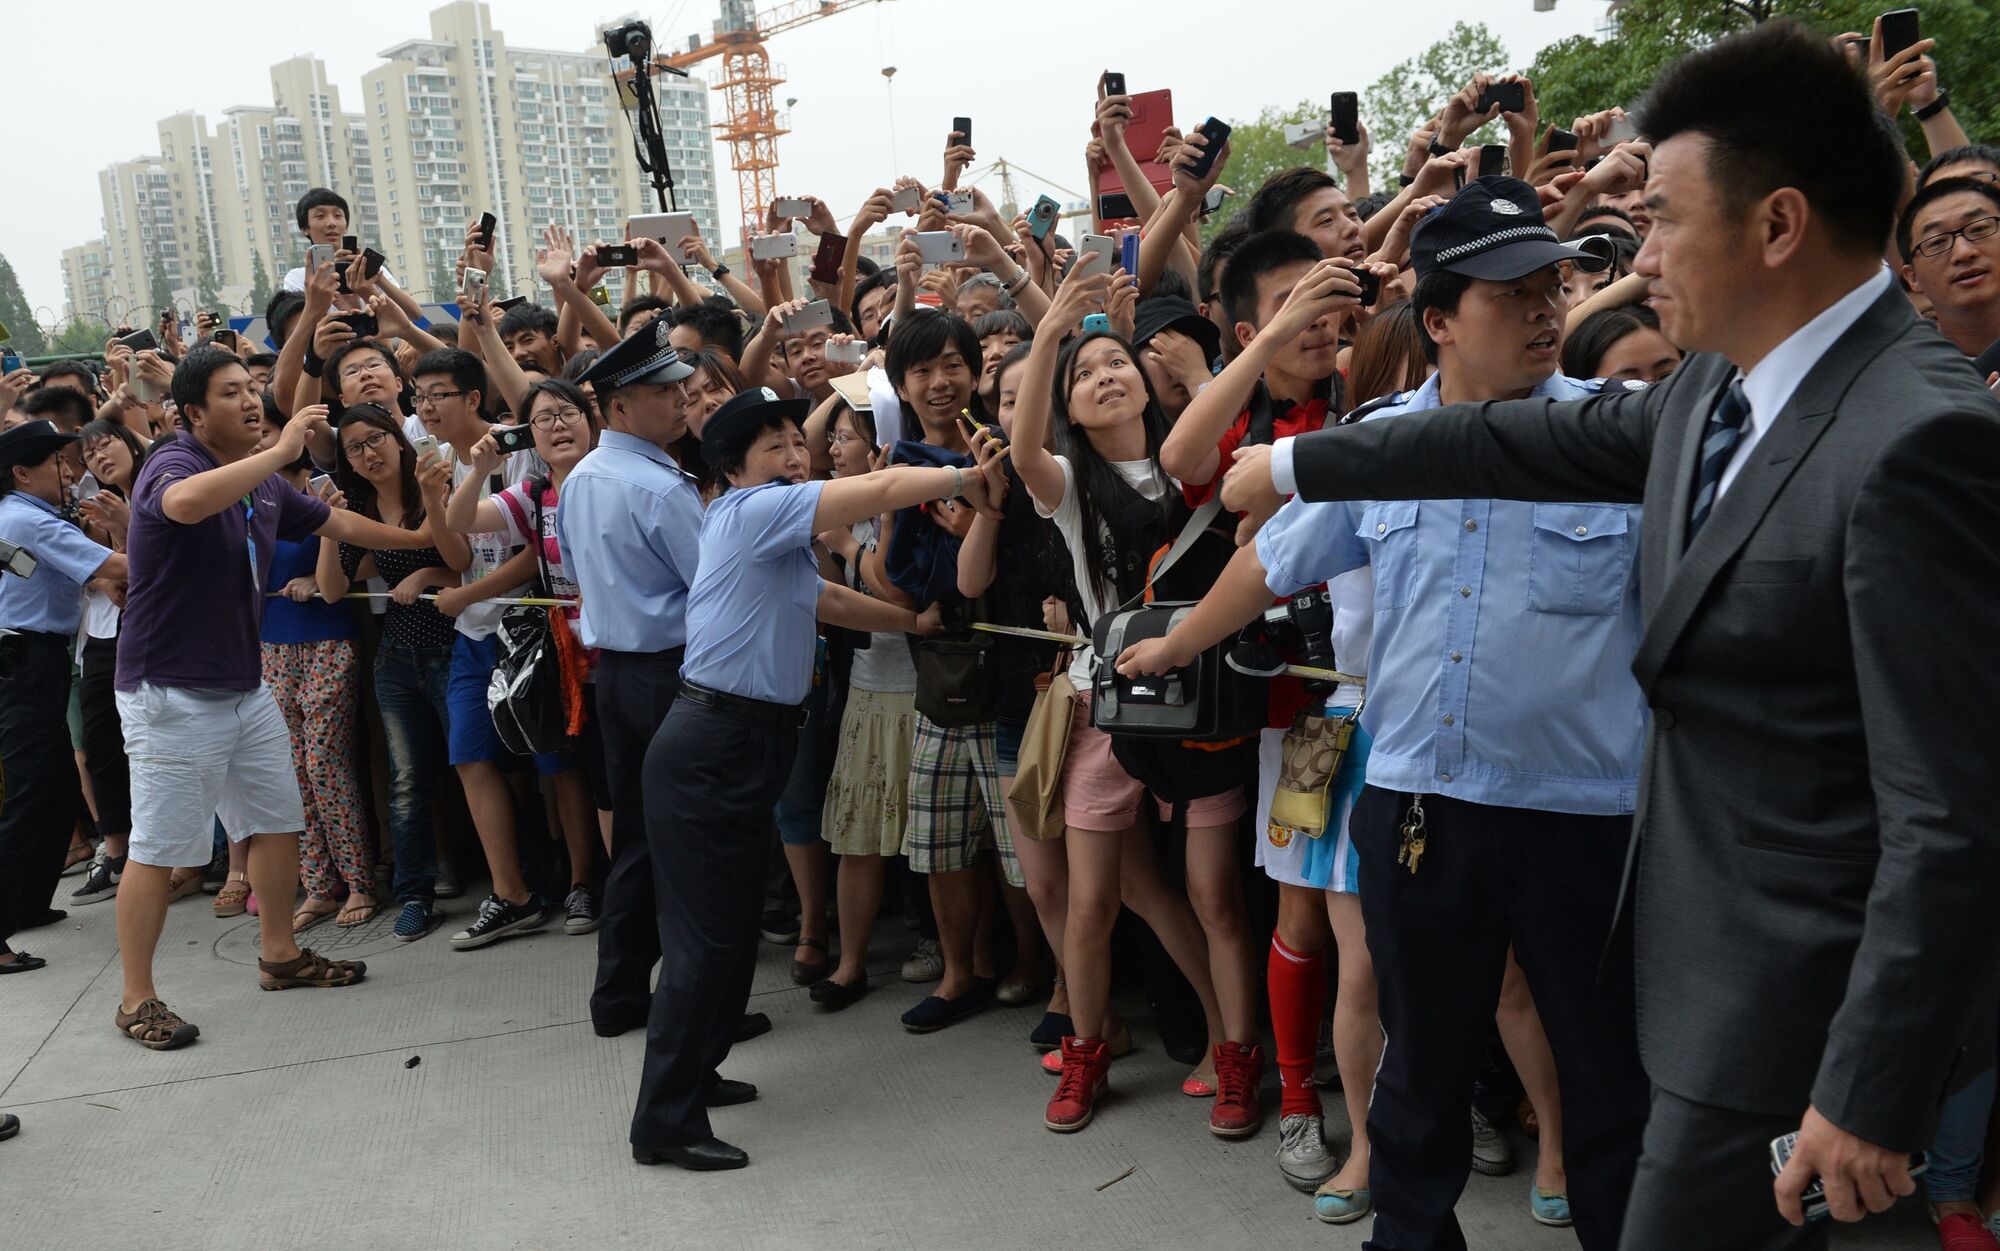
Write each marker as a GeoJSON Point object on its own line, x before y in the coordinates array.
{"type": "Point", "coordinates": [813, 316]}
{"type": "Point", "coordinates": [668, 228]}
{"type": "Point", "coordinates": [909, 198]}
{"type": "Point", "coordinates": [317, 255]}
{"type": "Point", "coordinates": [426, 443]}
{"type": "Point", "coordinates": [1096, 254]}
{"type": "Point", "coordinates": [1623, 130]}
{"type": "Point", "coordinates": [774, 247]}
{"type": "Point", "coordinates": [959, 204]}
{"type": "Point", "coordinates": [940, 247]}
{"type": "Point", "coordinates": [792, 206]}
{"type": "Point", "coordinates": [850, 353]}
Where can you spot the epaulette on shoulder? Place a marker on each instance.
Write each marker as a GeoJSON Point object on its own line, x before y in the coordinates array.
{"type": "Point", "coordinates": [1376, 405]}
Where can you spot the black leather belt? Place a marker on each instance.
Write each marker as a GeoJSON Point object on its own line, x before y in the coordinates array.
{"type": "Point", "coordinates": [764, 712]}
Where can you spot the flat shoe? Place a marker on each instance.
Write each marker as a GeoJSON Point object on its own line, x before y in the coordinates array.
{"type": "Point", "coordinates": [935, 1011]}
{"type": "Point", "coordinates": [804, 974]}
{"type": "Point", "coordinates": [749, 1026]}
{"type": "Point", "coordinates": [724, 1092]}
{"type": "Point", "coordinates": [705, 1156]}
{"type": "Point", "coordinates": [832, 996]}
{"type": "Point", "coordinates": [1342, 1207]}
{"type": "Point", "coordinates": [10, 1125]}
{"type": "Point", "coordinates": [1014, 992]}
{"type": "Point", "coordinates": [1549, 1207]}
{"type": "Point", "coordinates": [23, 963]}
{"type": "Point", "coordinates": [1049, 1034]}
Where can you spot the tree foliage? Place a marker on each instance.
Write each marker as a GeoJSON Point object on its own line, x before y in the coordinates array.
{"type": "Point", "coordinates": [261, 288]}
{"type": "Point", "coordinates": [207, 293]}
{"type": "Point", "coordinates": [25, 335]}
{"type": "Point", "coordinates": [83, 335]}
{"type": "Point", "coordinates": [1407, 96]}
{"type": "Point", "coordinates": [1257, 150]}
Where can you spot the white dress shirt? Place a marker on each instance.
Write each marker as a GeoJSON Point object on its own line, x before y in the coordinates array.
{"type": "Point", "coordinates": [1770, 384]}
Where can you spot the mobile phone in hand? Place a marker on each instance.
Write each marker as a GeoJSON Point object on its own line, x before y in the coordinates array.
{"type": "Point", "coordinates": [774, 247]}
{"type": "Point", "coordinates": [371, 262]}
{"type": "Point", "coordinates": [792, 206]}
{"type": "Point", "coordinates": [1112, 83]}
{"type": "Point", "coordinates": [827, 258]}
{"type": "Point", "coordinates": [1561, 140]}
{"type": "Point", "coordinates": [511, 302]}
{"type": "Point", "coordinates": [960, 204]}
{"type": "Point", "coordinates": [1216, 132]}
{"type": "Point", "coordinates": [1093, 255]}
{"type": "Point", "coordinates": [963, 125]}
{"type": "Point", "coordinates": [1492, 160]}
{"type": "Point", "coordinates": [908, 199]}
{"type": "Point", "coordinates": [850, 353]}
{"type": "Point", "coordinates": [486, 224]}
{"type": "Point", "coordinates": [1899, 31]}
{"type": "Point", "coordinates": [616, 255]}
{"type": "Point", "coordinates": [1511, 97]}
{"type": "Point", "coordinates": [350, 243]}
{"type": "Point", "coordinates": [813, 316]}
{"type": "Point", "coordinates": [363, 324]}
{"type": "Point", "coordinates": [318, 255]}
{"type": "Point", "coordinates": [1128, 252]}
{"type": "Point", "coordinates": [939, 247]}
{"type": "Point", "coordinates": [1813, 1199]}
{"type": "Point", "coordinates": [1371, 287]}
{"type": "Point", "coordinates": [1344, 116]}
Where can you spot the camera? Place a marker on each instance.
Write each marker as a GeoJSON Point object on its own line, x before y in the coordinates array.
{"type": "Point", "coordinates": [1041, 216]}
{"type": "Point", "coordinates": [1305, 622]}
{"type": "Point", "coordinates": [634, 39]}
{"type": "Point", "coordinates": [513, 438]}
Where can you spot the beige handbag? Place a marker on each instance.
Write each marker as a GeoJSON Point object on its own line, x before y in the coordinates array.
{"type": "Point", "coordinates": [1311, 756]}
{"type": "Point", "coordinates": [1035, 801]}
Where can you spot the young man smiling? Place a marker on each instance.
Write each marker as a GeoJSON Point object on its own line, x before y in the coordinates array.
{"type": "Point", "coordinates": [1952, 254]}
{"type": "Point", "coordinates": [206, 739]}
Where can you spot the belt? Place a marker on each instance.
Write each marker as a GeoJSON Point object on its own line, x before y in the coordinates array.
{"type": "Point", "coordinates": [764, 712]}
{"type": "Point", "coordinates": [672, 655]}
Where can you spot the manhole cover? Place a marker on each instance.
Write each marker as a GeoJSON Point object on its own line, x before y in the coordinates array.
{"type": "Point", "coordinates": [238, 945]}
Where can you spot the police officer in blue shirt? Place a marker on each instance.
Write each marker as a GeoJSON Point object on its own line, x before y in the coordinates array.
{"type": "Point", "coordinates": [1507, 732]}
{"type": "Point", "coordinates": [627, 523]}
{"type": "Point", "coordinates": [47, 561]}
{"type": "Point", "coordinates": [722, 758]}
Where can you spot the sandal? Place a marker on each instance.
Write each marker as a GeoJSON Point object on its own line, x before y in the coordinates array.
{"type": "Point", "coordinates": [183, 882]}
{"type": "Point", "coordinates": [233, 900]}
{"type": "Point", "coordinates": [311, 969]}
{"type": "Point", "coordinates": [80, 855]}
{"type": "Point", "coordinates": [155, 1026]}
{"type": "Point", "coordinates": [353, 913]}
{"type": "Point", "coordinates": [305, 918]}
{"type": "Point", "coordinates": [804, 974]}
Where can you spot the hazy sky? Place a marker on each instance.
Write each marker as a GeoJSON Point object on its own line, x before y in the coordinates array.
{"type": "Point", "coordinates": [1025, 73]}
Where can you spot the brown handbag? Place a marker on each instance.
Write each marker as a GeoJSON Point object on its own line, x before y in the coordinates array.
{"type": "Point", "coordinates": [1310, 757]}
{"type": "Point", "coordinates": [1035, 801]}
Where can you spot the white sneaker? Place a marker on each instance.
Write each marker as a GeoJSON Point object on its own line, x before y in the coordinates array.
{"type": "Point", "coordinates": [926, 963]}
{"type": "Point", "coordinates": [1490, 1153]}
{"type": "Point", "coordinates": [1302, 1154]}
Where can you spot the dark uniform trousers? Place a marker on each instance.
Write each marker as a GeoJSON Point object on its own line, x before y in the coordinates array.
{"type": "Point", "coordinates": [1546, 883]}
{"type": "Point", "coordinates": [43, 791]}
{"type": "Point", "coordinates": [634, 692]}
{"type": "Point", "coordinates": [712, 776]}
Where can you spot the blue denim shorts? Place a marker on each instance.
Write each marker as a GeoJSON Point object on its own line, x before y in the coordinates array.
{"type": "Point", "coordinates": [472, 738]}
{"type": "Point", "coordinates": [1007, 745]}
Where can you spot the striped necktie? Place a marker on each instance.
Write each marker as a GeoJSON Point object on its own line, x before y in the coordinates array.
{"type": "Point", "coordinates": [1718, 444]}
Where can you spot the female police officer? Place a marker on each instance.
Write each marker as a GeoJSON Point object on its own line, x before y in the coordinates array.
{"type": "Point", "coordinates": [722, 757]}
{"type": "Point", "coordinates": [41, 606]}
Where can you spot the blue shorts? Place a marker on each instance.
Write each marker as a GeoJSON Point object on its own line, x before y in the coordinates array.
{"type": "Point", "coordinates": [1007, 736]}
{"type": "Point", "coordinates": [472, 738]}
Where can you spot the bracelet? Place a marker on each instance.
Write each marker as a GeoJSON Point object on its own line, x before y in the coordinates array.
{"type": "Point", "coordinates": [957, 482]}
{"type": "Point", "coordinates": [1019, 282]}
{"type": "Point", "coordinates": [1404, 180]}
{"type": "Point", "coordinates": [1438, 148]}
{"type": "Point", "coordinates": [312, 365]}
{"type": "Point", "coordinates": [1935, 107]}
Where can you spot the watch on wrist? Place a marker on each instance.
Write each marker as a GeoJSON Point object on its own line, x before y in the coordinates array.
{"type": "Point", "coordinates": [1935, 107]}
{"type": "Point", "coordinates": [718, 272]}
{"type": "Point", "coordinates": [1438, 148]}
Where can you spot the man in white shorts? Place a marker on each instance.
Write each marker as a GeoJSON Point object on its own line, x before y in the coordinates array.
{"type": "Point", "coordinates": [205, 738]}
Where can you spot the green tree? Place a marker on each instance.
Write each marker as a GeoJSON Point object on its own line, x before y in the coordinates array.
{"type": "Point", "coordinates": [160, 293]}
{"type": "Point", "coordinates": [1582, 74]}
{"type": "Point", "coordinates": [261, 289]}
{"type": "Point", "coordinates": [443, 289]}
{"type": "Point", "coordinates": [25, 335]}
{"type": "Point", "coordinates": [1257, 150]}
{"type": "Point", "coordinates": [82, 335]}
{"type": "Point", "coordinates": [1407, 96]}
{"type": "Point", "coordinates": [206, 292]}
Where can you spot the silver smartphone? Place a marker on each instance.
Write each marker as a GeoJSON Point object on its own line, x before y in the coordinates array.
{"type": "Point", "coordinates": [812, 317]}
{"type": "Point", "coordinates": [426, 443]}
{"type": "Point", "coordinates": [792, 206]}
{"type": "Point", "coordinates": [908, 199]}
{"type": "Point", "coordinates": [850, 353]}
{"type": "Point", "coordinates": [318, 255]}
{"type": "Point", "coordinates": [940, 247]}
{"type": "Point", "coordinates": [960, 204]}
{"type": "Point", "coordinates": [1096, 254]}
{"type": "Point", "coordinates": [1304, 134]}
{"type": "Point", "coordinates": [774, 247]}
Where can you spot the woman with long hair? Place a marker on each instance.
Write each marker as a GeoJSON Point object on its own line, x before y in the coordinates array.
{"type": "Point", "coordinates": [112, 454]}
{"type": "Point", "coordinates": [1388, 355]}
{"type": "Point", "coordinates": [1622, 343]}
{"type": "Point", "coordinates": [715, 380]}
{"type": "Point", "coordinates": [311, 666]}
{"type": "Point", "coordinates": [1112, 502]}
{"type": "Point", "coordinates": [376, 475]}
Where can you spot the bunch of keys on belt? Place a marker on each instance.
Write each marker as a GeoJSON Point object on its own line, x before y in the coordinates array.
{"type": "Point", "coordinates": [1413, 835]}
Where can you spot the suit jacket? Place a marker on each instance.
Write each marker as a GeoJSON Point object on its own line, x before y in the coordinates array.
{"type": "Point", "coordinates": [1816, 861]}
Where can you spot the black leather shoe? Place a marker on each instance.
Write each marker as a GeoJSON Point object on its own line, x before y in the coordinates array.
{"type": "Point", "coordinates": [614, 1027]}
{"type": "Point", "coordinates": [10, 1125]}
{"type": "Point", "coordinates": [706, 1156]}
{"type": "Point", "coordinates": [751, 1025]}
{"type": "Point", "coordinates": [832, 996]}
{"type": "Point", "coordinates": [725, 1092]}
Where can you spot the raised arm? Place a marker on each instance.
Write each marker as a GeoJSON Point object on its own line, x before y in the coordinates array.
{"type": "Point", "coordinates": [503, 372]}
{"type": "Point", "coordinates": [201, 496]}
{"type": "Point", "coordinates": [1114, 113]}
{"type": "Point", "coordinates": [467, 512]}
{"type": "Point", "coordinates": [1077, 296]}
{"type": "Point", "coordinates": [570, 274]}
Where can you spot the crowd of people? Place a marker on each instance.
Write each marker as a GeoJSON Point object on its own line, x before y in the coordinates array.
{"type": "Point", "coordinates": [743, 611]}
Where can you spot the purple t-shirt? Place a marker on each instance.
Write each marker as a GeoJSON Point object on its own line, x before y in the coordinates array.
{"type": "Point", "coordinates": [196, 594]}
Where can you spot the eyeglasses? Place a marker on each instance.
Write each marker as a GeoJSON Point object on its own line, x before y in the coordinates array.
{"type": "Point", "coordinates": [842, 439]}
{"type": "Point", "coordinates": [431, 399]}
{"type": "Point", "coordinates": [550, 418]}
{"type": "Point", "coordinates": [376, 365]}
{"type": "Point", "coordinates": [372, 443]}
{"type": "Point", "coordinates": [1975, 230]}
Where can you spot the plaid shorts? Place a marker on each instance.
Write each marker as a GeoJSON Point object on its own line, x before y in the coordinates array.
{"type": "Point", "coordinates": [956, 809]}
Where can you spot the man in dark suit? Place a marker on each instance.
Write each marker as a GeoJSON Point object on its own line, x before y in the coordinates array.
{"type": "Point", "coordinates": [1816, 855]}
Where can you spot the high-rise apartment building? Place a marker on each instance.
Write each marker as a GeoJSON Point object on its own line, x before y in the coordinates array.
{"type": "Point", "coordinates": [447, 128]}
{"type": "Point", "coordinates": [84, 282]}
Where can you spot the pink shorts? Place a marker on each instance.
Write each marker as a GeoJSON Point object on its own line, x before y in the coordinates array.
{"type": "Point", "coordinates": [1099, 795]}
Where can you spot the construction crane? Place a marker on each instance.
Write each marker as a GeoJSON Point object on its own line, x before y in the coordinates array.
{"type": "Point", "coordinates": [749, 115]}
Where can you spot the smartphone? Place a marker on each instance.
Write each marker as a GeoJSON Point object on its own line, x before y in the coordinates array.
{"type": "Point", "coordinates": [426, 443]}
{"type": "Point", "coordinates": [1116, 206]}
{"type": "Point", "coordinates": [850, 353]}
{"type": "Point", "coordinates": [371, 262]}
{"type": "Point", "coordinates": [939, 247]}
{"type": "Point", "coordinates": [1861, 45]}
{"type": "Point", "coordinates": [1211, 204]}
{"type": "Point", "coordinates": [1096, 323]}
{"type": "Point", "coordinates": [813, 316]}
{"type": "Point", "coordinates": [10, 360]}
{"type": "Point", "coordinates": [223, 337]}
{"type": "Point", "coordinates": [1094, 254]}
{"type": "Point", "coordinates": [1561, 140]}
{"type": "Point", "coordinates": [1344, 115]}
{"type": "Point", "coordinates": [512, 301]}
{"type": "Point", "coordinates": [1111, 84]}
{"type": "Point", "coordinates": [668, 228]}
{"type": "Point", "coordinates": [908, 199]}
{"type": "Point", "coordinates": [513, 438]}
{"type": "Point", "coordinates": [1492, 160]}
{"type": "Point", "coordinates": [616, 255]}
{"type": "Point", "coordinates": [1622, 130]}
{"type": "Point", "coordinates": [1511, 97]}
{"type": "Point", "coordinates": [1371, 287]}
{"type": "Point", "coordinates": [1128, 252]}
{"type": "Point", "coordinates": [1217, 134]}
{"type": "Point", "coordinates": [475, 285]}
{"type": "Point", "coordinates": [317, 255]}
{"type": "Point", "coordinates": [350, 243]}
{"type": "Point", "coordinates": [141, 341]}
{"type": "Point", "coordinates": [827, 257]}
{"type": "Point", "coordinates": [963, 127]}
{"type": "Point", "coordinates": [959, 204]}
{"type": "Point", "coordinates": [340, 272]}
{"type": "Point", "coordinates": [319, 482]}
{"type": "Point", "coordinates": [773, 247]}
{"type": "Point", "coordinates": [792, 206]}
{"type": "Point", "coordinates": [1899, 31]}
{"type": "Point", "coordinates": [363, 324]}
{"type": "Point", "coordinates": [486, 224]}
{"type": "Point", "coordinates": [1814, 1197]}
{"type": "Point", "coordinates": [1042, 217]}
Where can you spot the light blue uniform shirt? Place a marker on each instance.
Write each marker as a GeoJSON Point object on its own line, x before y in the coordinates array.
{"type": "Point", "coordinates": [1500, 671]}
{"type": "Point", "coordinates": [628, 523]}
{"type": "Point", "coordinates": [51, 601]}
{"type": "Point", "coordinates": [753, 611]}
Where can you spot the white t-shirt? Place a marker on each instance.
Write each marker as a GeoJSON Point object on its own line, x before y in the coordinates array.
{"type": "Point", "coordinates": [1150, 481]}
{"type": "Point", "coordinates": [295, 278]}
{"type": "Point", "coordinates": [491, 548]}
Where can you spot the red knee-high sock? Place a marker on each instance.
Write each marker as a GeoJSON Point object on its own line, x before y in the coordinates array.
{"type": "Point", "coordinates": [1298, 995]}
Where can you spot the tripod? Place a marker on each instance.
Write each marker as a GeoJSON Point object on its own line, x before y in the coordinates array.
{"type": "Point", "coordinates": [635, 41]}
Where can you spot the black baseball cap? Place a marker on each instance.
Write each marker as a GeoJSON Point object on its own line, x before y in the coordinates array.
{"type": "Point", "coordinates": [31, 443]}
{"type": "Point", "coordinates": [1171, 312]}
{"type": "Point", "coordinates": [1494, 229]}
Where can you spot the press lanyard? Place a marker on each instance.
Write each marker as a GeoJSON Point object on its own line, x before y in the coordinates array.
{"type": "Point", "coordinates": [250, 538]}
